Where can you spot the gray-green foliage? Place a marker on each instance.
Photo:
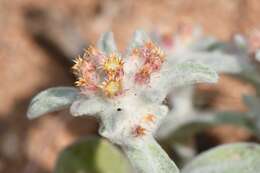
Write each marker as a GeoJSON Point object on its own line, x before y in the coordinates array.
{"type": "Point", "coordinates": [226, 58]}
{"type": "Point", "coordinates": [190, 124]}
{"type": "Point", "coordinates": [148, 155]}
{"type": "Point", "coordinates": [183, 114]}
{"type": "Point", "coordinates": [229, 58]}
{"type": "Point", "coordinates": [52, 99]}
{"type": "Point", "coordinates": [231, 158]}
{"type": "Point", "coordinates": [92, 155]}
{"type": "Point", "coordinates": [184, 120]}
{"type": "Point", "coordinates": [121, 117]}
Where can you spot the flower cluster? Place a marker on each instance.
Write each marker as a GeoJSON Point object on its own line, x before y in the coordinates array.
{"type": "Point", "coordinates": [96, 71]}
{"type": "Point", "coordinates": [153, 58]}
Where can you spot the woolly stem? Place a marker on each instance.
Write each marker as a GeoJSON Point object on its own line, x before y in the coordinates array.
{"type": "Point", "coordinates": [147, 156]}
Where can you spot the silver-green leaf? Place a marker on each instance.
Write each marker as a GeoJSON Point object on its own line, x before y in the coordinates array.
{"type": "Point", "coordinates": [107, 43]}
{"type": "Point", "coordinates": [231, 158]}
{"type": "Point", "coordinates": [217, 60]}
{"type": "Point", "coordinates": [50, 100]}
{"type": "Point", "coordinates": [139, 38]}
{"type": "Point", "coordinates": [147, 156]}
{"type": "Point", "coordinates": [190, 73]}
{"type": "Point", "coordinates": [87, 106]}
{"type": "Point", "coordinates": [181, 74]}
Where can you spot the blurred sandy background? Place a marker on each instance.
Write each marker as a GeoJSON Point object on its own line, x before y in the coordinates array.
{"type": "Point", "coordinates": [30, 61]}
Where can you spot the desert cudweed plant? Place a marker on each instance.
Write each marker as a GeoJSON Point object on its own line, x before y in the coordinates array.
{"type": "Point", "coordinates": [125, 92]}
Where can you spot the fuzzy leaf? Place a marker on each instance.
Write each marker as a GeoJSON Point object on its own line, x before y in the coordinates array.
{"type": "Point", "coordinates": [181, 74]}
{"type": "Point", "coordinates": [107, 43]}
{"type": "Point", "coordinates": [139, 38]}
{"type": "Point", "coordinates": [231, 158]}
{"type": "Point", "coordinates": [221, 62]}
{"type": "Point", "coordinates": [92, 155]}
{"type": "Point", "coordinates": [50, 100]}
{"type": "Point", "coordinates": [87, 106]}
{"type": "Point", "coordinates": [189, 73]}
{"type": "Point", "coordinates": [148, 157]}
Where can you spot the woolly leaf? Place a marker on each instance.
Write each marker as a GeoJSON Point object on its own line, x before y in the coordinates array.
{"type": "Point", "coordinates": [107, 43]}
{"type": "Point", "coordinates": [50, 100]}
{"type": "Point", "coordinates": [87, 106]}
{"type": "Point", "coordinates": [181, 74]}
{"type": "Point", "coordinates": [139, 38]}
{"type": "Point", "coordinates": [231, 158]}
{"type": "Point", "coordinates": [221, 62]}
{"type": "Point", "coordinates": [189, 73]}
{"type": "Point", "coordinates": [147, 156]}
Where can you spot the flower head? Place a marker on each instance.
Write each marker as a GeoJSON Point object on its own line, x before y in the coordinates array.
{"type": "Point", "coordinates": [87, 78]}
{"type": "Point", "coordinates": [112, 87]}
{"type": "Point", "coordinates": [139, 131]}
{"type": "Point", "coordinates": [153, 58]}
{"type": "Point", "coordinates": [91, 78]}
{"type": "Point", "coordinates": [143, 74]}
{"type": "Point", "coordinates": [113, 65]}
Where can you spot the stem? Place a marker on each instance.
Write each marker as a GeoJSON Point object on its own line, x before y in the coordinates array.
{"type": "Point", "coordinates": [147, 156]}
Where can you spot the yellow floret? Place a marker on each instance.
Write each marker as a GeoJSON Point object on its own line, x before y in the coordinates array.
{"type": "Point", "coordinates": [112, 87]}
{"type": "Point", "coordinates": [78, 62]}
{"type": "Point", "coordinates": [80, 82]}
{"type": "Point", "coordinates": [112, 64]}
